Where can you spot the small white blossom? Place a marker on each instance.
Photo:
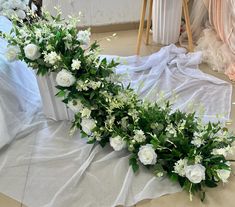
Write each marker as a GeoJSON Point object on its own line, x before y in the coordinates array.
{"type": "Point", "coordinates": [147, 155]}
{"type": "Point", "coordinates": [52, 58]}
{"type": "Point", "coordinates": [75, 105]}
{"type": "Point", "coordinates": [171, 130]}
{"type": "Point", "coordinates": [76, 64]}
{"type": "Point", "coordinates": [86, 112]}
{"type": "Point", "coordinates": [84, 37]}
{"type": "Point", "coordinates": [223, 151]}
{"type": "Point", "coordinates": [223, 175]}
{"type": "Point", "coordinates": [198, 140]}
{"type": "Point", "coordinates": [139, 136]}
{"type": "Point", "coordinates": [117, 143]}
{"type": "Point", "coordinates": [198, 159]}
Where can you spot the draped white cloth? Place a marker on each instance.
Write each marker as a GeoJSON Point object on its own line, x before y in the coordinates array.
{"type": "Point", "coordinates": [48, 168]}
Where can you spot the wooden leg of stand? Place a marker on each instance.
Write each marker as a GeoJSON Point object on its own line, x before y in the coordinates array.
{"type": "Point", "coordinates": [188, 28]}
{"type": "Point", "coordinates": [141, 27]}
{"type": "Point", "coordinates": [149, 21]}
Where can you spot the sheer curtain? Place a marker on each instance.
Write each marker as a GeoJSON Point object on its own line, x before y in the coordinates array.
{"type": "Point", "coordinates": [213, 27]}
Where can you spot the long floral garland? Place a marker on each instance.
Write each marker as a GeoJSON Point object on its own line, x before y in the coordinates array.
{"type": "Point", "coordinates": [169, 143]}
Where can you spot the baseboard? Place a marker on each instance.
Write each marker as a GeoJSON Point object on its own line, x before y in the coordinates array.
{"type": "Point", "coordinates": [113, 27]}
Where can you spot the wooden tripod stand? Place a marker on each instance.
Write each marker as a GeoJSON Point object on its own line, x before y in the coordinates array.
{"type": "Point", "coordinates": [141, 26]}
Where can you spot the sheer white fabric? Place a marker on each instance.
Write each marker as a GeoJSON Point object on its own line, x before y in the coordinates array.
{"type": "Point", "coordinates": [48, 168]}
{"type": "Point", "coordinates": [19, 97]}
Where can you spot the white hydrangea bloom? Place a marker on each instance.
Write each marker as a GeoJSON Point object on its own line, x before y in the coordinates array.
{"type": "Point", "coordinates": [180, 165]}
{"type": "Point", "coordinates": [139, 136]}
{"type": "Point", "coordinates": [52, 58]}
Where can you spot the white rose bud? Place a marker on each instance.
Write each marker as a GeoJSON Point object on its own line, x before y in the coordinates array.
{"type": "Point", "coordinates": [65, 78]}
{"type": "Point", "coordinates": [32, 51]}
{"type": "Point", "coordinates": [12, 53]}
{"type": "Point", "coordinates": [88, 125]}
{"type": "Point", "coordinates": [147, 155]}
{"type": "Point", "coordinates": [75, 105]}
{"type": "Point", "coordinates": [223, 175]}
{"type": "Point", "coordinates": [117, 143]}
{"type": "Point", "coordinates": [195, 173]}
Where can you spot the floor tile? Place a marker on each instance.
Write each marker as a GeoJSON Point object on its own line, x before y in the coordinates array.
{"type": "Point", "coordinates": [6, 201]}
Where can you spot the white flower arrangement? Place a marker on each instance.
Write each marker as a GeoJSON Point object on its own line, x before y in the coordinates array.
{"type": "Point", "coordinates": [171, 143]}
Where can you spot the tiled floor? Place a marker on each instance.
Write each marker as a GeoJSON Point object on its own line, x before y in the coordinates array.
{"type": "Point", "coordinates": [124, 44]}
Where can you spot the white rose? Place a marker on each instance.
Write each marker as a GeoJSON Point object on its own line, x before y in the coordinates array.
{"type": "Point", "coordinates": [223, 175]}
{"type": "Point", "coordinates": [21, 14]}
{"type": "Point", "coordinates": [12, 53]}
{"type": "Point", "coordinates": [88, 125]}
{"type": "Point", "coordinates": [117, 143]}
{"type": "Point", "coordinates": [147, 155]}
{"type": "Point", "coordinates": [76, 64]}
{"type": "Point", "coordinates": [32, 51]}
{"type": "Point", "coordinates": [84, 37]}
{"type": "Point", "coordinates": [195, 173]}
{"type": "Point", "coordinates": [65, 78]}
{"type": "Point", "coordinates": [75, 105]}
{"type": "Point", "coordinates": [7, 5]}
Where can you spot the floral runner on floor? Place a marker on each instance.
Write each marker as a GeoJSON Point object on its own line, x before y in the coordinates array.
{"type": "Point", "coordinates": [173, 143]}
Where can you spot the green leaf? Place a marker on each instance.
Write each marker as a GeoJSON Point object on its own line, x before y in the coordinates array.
{"type": "Point", "coordinates": [134, 164]}
{"type": "Point", "coordinates": [210, 183]}
{"type": "Point", "coordinates": [61, 94]}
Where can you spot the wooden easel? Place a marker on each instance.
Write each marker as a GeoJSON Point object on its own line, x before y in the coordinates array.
{"type": "Point", "coordinates": [141, 26]}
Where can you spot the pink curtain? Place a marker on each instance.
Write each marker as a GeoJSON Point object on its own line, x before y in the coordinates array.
{"type": "Point", "coordinates": [222, 18]}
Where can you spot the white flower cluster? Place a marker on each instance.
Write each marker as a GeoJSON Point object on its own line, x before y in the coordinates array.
{"type": "Point", "coordinates": [139, 136]}
{"type": "Point", "coordinates": [223, 151]}
{"type": "Point", "coordinates": [198, 139]}
{"type": "Point", "coordinates": [85, 85]}
{"type": "Point", "coordinates": [51, 58]}
{"type": "Point", "coordinates": [11, 8]}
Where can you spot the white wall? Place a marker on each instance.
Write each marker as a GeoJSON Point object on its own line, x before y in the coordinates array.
{"type": "Point", "coordinates": [99, 12]}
